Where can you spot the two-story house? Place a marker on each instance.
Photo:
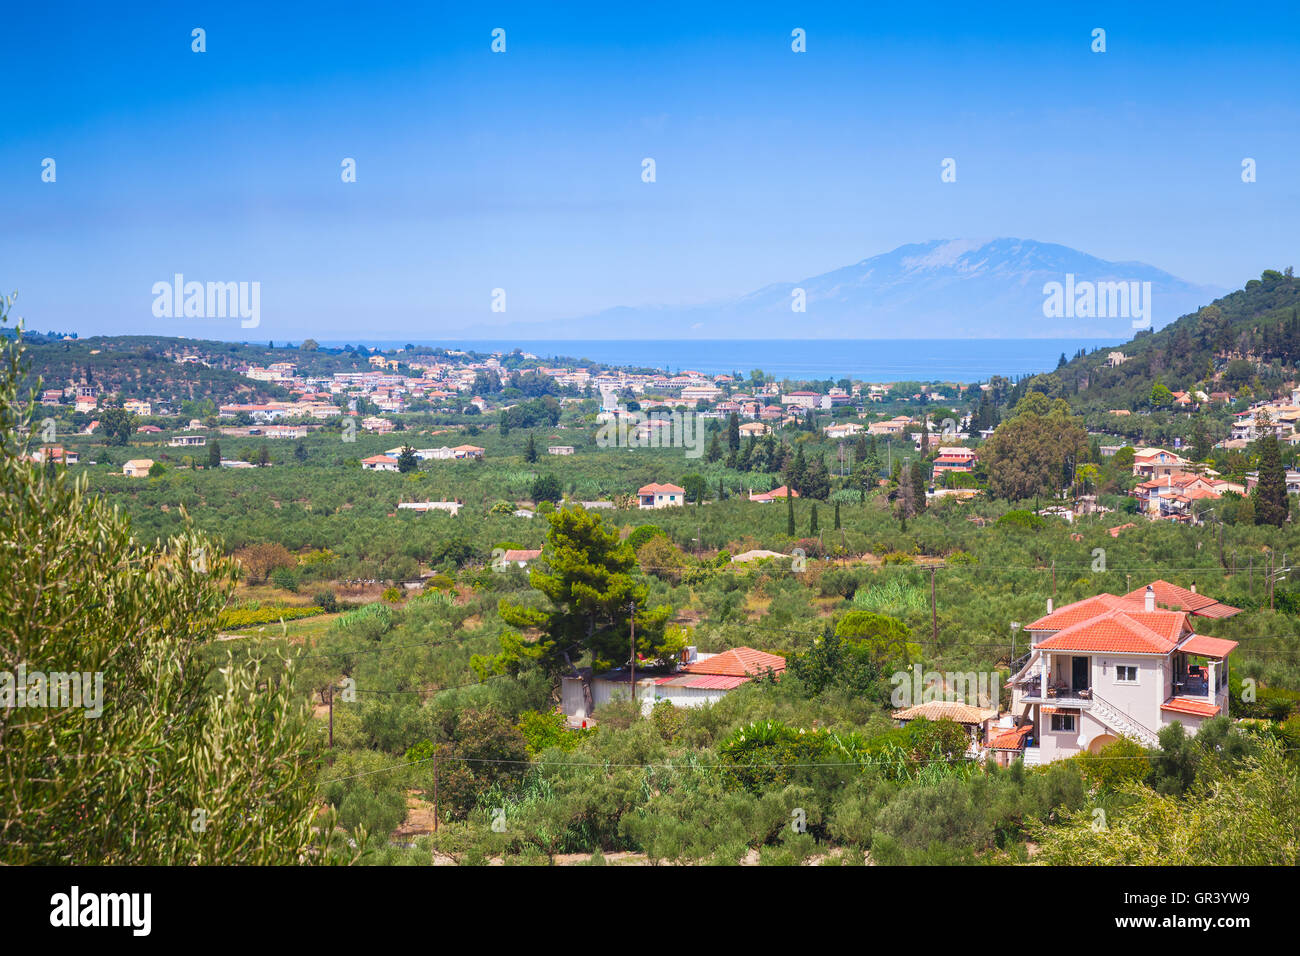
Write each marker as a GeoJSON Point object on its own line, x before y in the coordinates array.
{"type": "Point", "coordinates": [1151, 463]}
{"type": "Point", "coordinates": [1112, 666]}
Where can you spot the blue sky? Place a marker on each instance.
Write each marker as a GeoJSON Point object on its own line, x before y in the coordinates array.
{"type": "Point", "coordinates": [523, 170]}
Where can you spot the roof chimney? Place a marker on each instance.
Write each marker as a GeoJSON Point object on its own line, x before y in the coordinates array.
{"type": "Point", "coordinates": [1193, 588]}
{"type": "Point", "coordinates": [1151, 598]}
{"type": "Point", "coordinates": [1049, 605]}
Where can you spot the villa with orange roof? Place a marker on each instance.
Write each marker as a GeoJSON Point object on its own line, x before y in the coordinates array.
{"type": "Point", "coordinates": [1149, 463]}
{"type": "Point", "coordinates": [776, 494]}
{"type": "Point", "coordinates": [1111, 666]}
{"type": "Point", "coordinates": [699, 679]}
{"type": "Point", "coordinates": [660, 496]}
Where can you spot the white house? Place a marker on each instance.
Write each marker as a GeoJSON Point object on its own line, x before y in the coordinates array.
{"type": "Point", "coordinates": [379, 463]}
{"type": "Point", "coordinates": [700, 680]}
{"type": "Point", "coordinates": [451, 507]}
{"type": "Point", "coordinates": [661, 496]}
{"type": "Point", "coordinates": [1111, 666]}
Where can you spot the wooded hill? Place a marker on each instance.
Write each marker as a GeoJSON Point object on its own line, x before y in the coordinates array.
{"type": "Point", "coordinates": [1246, 339]}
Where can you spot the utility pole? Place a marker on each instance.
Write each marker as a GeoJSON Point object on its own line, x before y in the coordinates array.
{"type": "Point", "coordinates": [1270, 580]}
{"type": "Point", "coordinates": [435, 793]}
{"type": "Point", "coordinates": [631, 621]}
{"type": "Point", "coordinates": [934, 614]}
{"type": "Point", "coordinates": [331, 705]}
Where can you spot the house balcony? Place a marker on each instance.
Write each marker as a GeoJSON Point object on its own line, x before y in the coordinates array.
{"type": "Point", "coordinates": [1059, 694]}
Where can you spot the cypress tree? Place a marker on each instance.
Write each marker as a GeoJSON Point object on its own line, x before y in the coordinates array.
{"type": "Point", "coordinates": [1271, 505]}
{"type": "Point", "coordinates": [837, 516]}
{"type": "Point", "coordinates": [812, 523]}
{"type": "Point", "coordinates": [918, 487]}
{"type": "Point", "coordinates": [789, 512]}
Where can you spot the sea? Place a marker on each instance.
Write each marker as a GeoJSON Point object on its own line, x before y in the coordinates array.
{"type": "Point", "coordinates": [866, 360]}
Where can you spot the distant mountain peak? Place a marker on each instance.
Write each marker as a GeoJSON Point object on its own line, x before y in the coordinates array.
{"type": "Point", "coordinates": [939, 288]}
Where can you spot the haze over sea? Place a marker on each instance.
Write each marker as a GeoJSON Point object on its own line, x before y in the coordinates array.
{"type": "Point", "coordinates": [868, 360]}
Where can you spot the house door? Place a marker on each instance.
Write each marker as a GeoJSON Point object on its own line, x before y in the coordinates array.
{"type": "Point", "coordinates": [1079, 673]}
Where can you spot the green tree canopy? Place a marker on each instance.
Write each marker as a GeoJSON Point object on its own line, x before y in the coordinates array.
{"type": "Point", "coordinates": [589, 590]}
{"type": "Point", "coordinates": [1031, 451]}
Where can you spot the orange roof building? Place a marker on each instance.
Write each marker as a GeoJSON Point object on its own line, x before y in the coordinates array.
{"type": "Point", "coordinates": [1113, 666]}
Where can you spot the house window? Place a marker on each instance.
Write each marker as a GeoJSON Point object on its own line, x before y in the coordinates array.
{"type": "Point", "coordinates": [1126, 674]}
{"type": "Point", "coordinates": [1063, 722]}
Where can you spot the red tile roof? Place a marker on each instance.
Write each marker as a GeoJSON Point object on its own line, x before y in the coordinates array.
{"type": "Point", "coordinates": [1207, 646]}
{"type": "Point", "coordinates": [738, 662]}
{"type": "Point", "coordinates": [703, 681]}
{"type": "Point", "coordinates": [658, 489]}
{"type": "Point", "coordinates": [774, 495]}
{"type": "Point", "coordinates": [1180, 599]}
{"type": "Point", "coordinates": [1121, 631]}
{"type": "Point", "coordinates": [522, 554]}
{"type": "Point", "coordinates": [1013, 739]}
{"type": "Point", "coordinates": [1085, 610]}
{"type": "Point", "coordinates": [1191, 706]}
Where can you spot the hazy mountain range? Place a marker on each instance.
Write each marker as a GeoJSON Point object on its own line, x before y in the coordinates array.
{"type": "Point", "coordinates": [944, 288]}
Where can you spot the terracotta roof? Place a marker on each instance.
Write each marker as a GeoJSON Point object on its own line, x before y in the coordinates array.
{"type": "Point", "coordinates": [1070, 614]}
{"type": "Point", "coordinates": [1192, 706]}
{"type": "Point", "coordinates": [946, 710]}
{"type": "Point", "coordinates": [774, 494]}
{"type": "Point", "coordinates": [656, 489]}
{"type": "Point", "coordinates": [737, 662]}
{"type": "Point", "coordinates": [1121, 631]}
{"type": "Point", "coordinates": [1013, 739]}
{"type": "Point", "coordinates": [1180, 599]}
{"type": "Point", "coordinates": [702, 681]}
{"type": "Point", "coordinates": [522, 554]}
{"type": "Point", "coordinates": [1207, 646]}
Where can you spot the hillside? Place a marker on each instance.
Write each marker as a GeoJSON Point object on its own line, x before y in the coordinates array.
{"type": "Point", "coordinates": [1248, 338]}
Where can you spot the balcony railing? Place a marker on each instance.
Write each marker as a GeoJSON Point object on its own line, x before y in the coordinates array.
{"type": "Point", "coordinates": [1063, 694]}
